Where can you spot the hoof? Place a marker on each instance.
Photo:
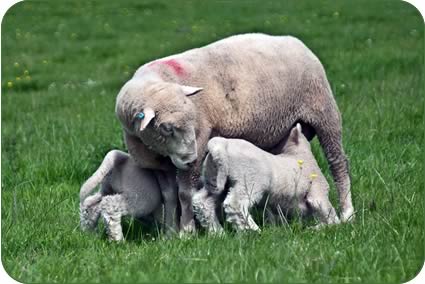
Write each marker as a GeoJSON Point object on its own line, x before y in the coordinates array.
{"type": "Point", "coordinates": [348, 215]}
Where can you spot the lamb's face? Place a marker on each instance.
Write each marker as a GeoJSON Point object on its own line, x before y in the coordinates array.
{"type": "Point", "coordinates": [164, 119]}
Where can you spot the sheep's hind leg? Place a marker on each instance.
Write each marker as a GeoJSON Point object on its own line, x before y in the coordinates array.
{"type": "Point", "coordinates": [329, 131]}
{"type": "Point", "coordinates": [236, 207]}
{"type": "Point", "coordinates": [90, 212]}
{"type": "Point", "coordinates": [113, 207]}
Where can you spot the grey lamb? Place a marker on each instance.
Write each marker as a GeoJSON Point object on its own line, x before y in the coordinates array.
{"type": "Point", "coordinates": [289, 182]}
{"type": "Point", "coordinates": [126, 189]}
{"type": "Point", "coordinates": [254, 87]}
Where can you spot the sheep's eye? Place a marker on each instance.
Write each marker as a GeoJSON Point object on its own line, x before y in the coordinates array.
{"type": "Point", "coordinates": [166, 129]}
{"type": "Point", "coordinates": [140, 115]}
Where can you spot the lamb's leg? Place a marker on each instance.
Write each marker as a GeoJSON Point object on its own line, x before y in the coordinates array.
{"type": "Point", "coordinates": [113, 207]}
{"type": "Point", "coordinates": [236, 207]}
{"type": "Point", "coordinates": [204, 206]}
{"type": "Point", "coordinates": [168, 187]}
{"type": "Point", "coordinates": [90, 212]}
{"type": "Point", "coordinates": [318, 200]}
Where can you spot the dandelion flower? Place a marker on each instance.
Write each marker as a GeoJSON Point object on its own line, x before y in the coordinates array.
{"type": "Point", "coordinates": [16, 64]}
{"type": "Point", "coordinates": [18, 78]}
{"type": "Point", "coordinates": [26, 72]}
{"type": "Point", "coordinates": [300, 163]}
{"type": "Point", "coordinates": [313, 176]}
{"type": "Point", "coordinates": [9, 84]}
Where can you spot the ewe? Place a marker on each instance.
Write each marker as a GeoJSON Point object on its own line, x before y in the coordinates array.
{"type": "Point", "coordinates": [253, 87]}
{"type": "Point", "coordinates": [126, 189]}
{"type": "Point", "coordinates": [289, 182]}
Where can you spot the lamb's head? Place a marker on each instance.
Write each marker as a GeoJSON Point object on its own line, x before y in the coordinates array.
{"type": "Point", "coordinates": [162, 116]}
{"type": "Point", "coordinates": [296, 143]}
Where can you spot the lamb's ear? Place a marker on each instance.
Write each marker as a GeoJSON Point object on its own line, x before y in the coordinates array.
{"type": "Point", "coordinates": [146, 116]}
{"type": "Point", "coordinates": [294, 136]}
{"type": "Point", "coordinates": [190, 91]}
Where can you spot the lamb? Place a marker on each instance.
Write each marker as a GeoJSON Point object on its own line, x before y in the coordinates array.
{"type": "Point", "coordinates": [289, 182]}
{"type": "Point", "coordinates": [254, 87]}
{"type": "Point", "coordinates": [126, 189]}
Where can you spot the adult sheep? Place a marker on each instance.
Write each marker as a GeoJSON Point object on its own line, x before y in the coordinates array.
{"type": "Point", "coordinates": [252, 86]}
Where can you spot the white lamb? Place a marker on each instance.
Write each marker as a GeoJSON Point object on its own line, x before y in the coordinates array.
{"type": "Point", "coordinates": [126, 189]}
{"type": "Point", "coordinates": [287, 183]}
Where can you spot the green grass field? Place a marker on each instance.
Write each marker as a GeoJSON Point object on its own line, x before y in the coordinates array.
{"type": "Point", "coordinates": [63, 63]}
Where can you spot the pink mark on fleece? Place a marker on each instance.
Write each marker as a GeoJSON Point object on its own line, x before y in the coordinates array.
{"type": "Point", "coordinates": [173, 64]}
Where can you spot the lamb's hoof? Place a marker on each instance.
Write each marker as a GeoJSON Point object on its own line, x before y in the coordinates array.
{"type": "Point", "coordinates": [317, 227]}
{"type": "Point", "coordinates": [116, 239]}
{"type": "Point", "coordinates": [348, 215]}
{"type": "Point", "coordinates": [216, 233]}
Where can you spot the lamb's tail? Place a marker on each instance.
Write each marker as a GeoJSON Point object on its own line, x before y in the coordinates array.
{"type": "Point", "coordinates": [109, 162]}
{"type": "Point", "coordinates": [215, 168]}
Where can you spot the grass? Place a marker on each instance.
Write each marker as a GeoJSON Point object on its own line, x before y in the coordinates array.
{"type": "Point", "coordinates": [58, 122]}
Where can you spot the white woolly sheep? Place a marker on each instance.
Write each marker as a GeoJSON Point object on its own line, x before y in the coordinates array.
{"type": "Point", "coordinates": [254, 87]}
{"type": "Point", "coordinates": [126, 189]}
{"type": "Point", "coordinates": [289, 182]}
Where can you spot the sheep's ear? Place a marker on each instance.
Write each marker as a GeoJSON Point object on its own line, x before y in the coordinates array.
{"type": "Point", "coordinates": [294, 136]}
{"type": "Point", "coordinates": [190, 91]}
{"type": "Point", "coordinates": [146, 116]}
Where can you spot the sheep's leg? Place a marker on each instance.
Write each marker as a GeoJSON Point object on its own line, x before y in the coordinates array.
{"type": "Point", "coordinates": [319, 202]}
{"type": "Point", "coordinates": [187, 222]}
{"type": "Point", "coordinates": [113, 207]}
{"type": "Point", "coordinates": [168, 187]}
{"type": "Point", "coordinates": [331, 141]}
{"type": "Point", "coordinates": [90, 212]}
{"type": "Point", "coordinates": [188, 180]}
{"type": "Point", "coordinates": [204, 206]}
{"type": "Point", "coordinates": [236, 206]}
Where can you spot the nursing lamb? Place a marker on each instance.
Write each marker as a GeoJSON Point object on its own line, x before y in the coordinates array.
{"type": "Point", "coordinates": [126, 189]}
{"type": "Point", "coordinates": [254, 87]}
{"type": "Point", "coordinates": [289, 182]}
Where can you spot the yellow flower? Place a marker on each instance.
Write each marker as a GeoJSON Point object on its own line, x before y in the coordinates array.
{"type": "Point", "coordinates": [26, 72]}
{"type": "Point", "coordinates": [9, 84]}
{"type": "Point", "coordinates": [300, 163]}
{"type": "Point", "coordinates": [18, 78]}
{"type": "Point", "coordinates": [313, 176]}
{"type": "Point", "coordinates": [16, 64]}
{"type": "Point", "coordinates": [44, 61]}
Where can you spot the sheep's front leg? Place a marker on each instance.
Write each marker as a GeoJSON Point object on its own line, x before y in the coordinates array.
{"type": "Point", "coordinates": [167, 183]}
{"type": "Point", "coordinates": [188, 180]}
{"type": "Point", "coordinates": [236, 206]}
{"type": "Point", "coordinates": [113, 207]}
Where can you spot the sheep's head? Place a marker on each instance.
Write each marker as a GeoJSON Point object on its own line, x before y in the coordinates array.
{"type": "Point", "coordinates": [162, 116]}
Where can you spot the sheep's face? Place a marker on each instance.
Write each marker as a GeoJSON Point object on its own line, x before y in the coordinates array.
{"type": "Point", "coordinates": [164, 118]}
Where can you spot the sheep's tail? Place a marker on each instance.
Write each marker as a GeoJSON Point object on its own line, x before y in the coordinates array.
{"type": "Point", "coordinates": [109, 162]}
{"type": "Point", "coordinates": [215, 168]}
